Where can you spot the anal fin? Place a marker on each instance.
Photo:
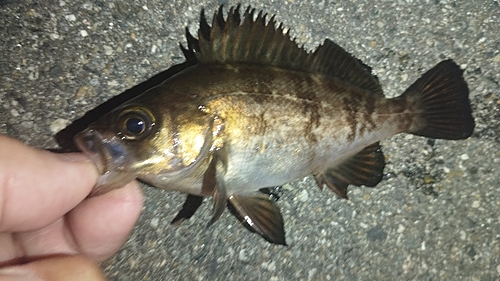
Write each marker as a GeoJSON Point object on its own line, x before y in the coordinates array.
{"type": "Point", "coordinates": [192, 203]}
{"type": "Point", "coordinates": [258, 213]}
{"type": "Point", "coordinates": [364, 168]}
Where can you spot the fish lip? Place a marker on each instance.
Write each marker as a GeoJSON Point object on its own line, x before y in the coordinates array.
{"type": "Point", "coordinates": [110, 158]}
{"type": "Point", "coordinates": [89, 142]}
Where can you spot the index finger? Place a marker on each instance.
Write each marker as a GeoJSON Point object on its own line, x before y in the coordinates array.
{"type": "Point", "coordinates": [37, 186]}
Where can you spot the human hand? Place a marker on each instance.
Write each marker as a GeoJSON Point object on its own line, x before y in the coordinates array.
{"type": "Point", "coordinates": [49, 230]}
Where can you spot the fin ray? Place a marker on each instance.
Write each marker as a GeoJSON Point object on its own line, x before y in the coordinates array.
{"type": "Point", "coordinates": [443, 98]}
{"type": "Point", "coordinates": [219, 204]}
{"type": "Point", "coordinates": [364, 168]}
{"type": "Point", "coordinates": [260, 41]}
{"type": "Point", "coordinates": [259, 214]}
{"type": "Point", "coordinates": [213, 176]}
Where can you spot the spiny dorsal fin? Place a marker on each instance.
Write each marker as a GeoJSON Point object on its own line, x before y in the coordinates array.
{"type": "Point", "coordinates": [238, 39]}
{"type": "Point", "coordinates": [247, 40]}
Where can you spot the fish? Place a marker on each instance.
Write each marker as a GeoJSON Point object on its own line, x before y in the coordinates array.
{"type": "Point", "coordinates": [255, 111]}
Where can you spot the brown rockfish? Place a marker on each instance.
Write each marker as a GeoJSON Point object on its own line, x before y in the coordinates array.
{"type": "Point", "coordinates": [256, 110]}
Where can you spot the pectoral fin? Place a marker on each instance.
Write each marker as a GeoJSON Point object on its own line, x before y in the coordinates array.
{"type": "Point", "coordinates": [364, 168]}
{"type": "Point", "coordinates": [213, 180]}
{"type": "Point", "coordinates": [188, 209]}
{"type": "Point", "coordinates": [258, 213]}
{"type": "Point", "coordinates": [219, 198]}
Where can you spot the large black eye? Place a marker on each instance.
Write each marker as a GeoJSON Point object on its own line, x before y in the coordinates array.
{"type": "Point", "coordinates": [135, 123]}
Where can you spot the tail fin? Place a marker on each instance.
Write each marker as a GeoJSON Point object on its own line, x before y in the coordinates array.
{"type": "Point", "coordinates": [443, 95]}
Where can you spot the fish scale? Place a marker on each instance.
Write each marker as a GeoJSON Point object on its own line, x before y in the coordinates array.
{"type": "Point", "coordinates": [251, 114]}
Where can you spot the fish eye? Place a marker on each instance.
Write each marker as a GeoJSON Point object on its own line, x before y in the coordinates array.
{"type": "Point", "coordinates": [135, 123]}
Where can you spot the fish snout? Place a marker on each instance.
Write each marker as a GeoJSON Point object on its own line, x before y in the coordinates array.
{"type": "Point", "coordinates": [109, 156]}
{"type": "Point", "coordinates": [89, 141]}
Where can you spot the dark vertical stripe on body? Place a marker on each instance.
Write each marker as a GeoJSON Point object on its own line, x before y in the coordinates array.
{"type": "Point", "coordinates": [309, 98]}
{"type": "Point", "coordinates": [366, 121]}
{"type": "Point", "coordinates": [350, 106]}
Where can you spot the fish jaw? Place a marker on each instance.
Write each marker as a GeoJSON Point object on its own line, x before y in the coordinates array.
{"type": "Point", "coordinates": [110, 158]}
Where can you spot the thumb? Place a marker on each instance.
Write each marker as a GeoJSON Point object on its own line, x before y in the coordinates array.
{"type": "Point", "coordinates": [57, 268]}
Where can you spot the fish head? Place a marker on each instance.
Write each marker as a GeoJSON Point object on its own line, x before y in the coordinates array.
{"type": "Point", "coordinates": [145, 139]}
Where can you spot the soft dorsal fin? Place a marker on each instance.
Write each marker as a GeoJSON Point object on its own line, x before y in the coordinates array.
{"type": "Point", "coordinates": [256, 40]}
{"type": "Point", "coordinates": [333, 60]}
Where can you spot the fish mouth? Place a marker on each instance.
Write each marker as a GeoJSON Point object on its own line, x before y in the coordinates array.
{"type": "Point", "coordinates": [110, 158]}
